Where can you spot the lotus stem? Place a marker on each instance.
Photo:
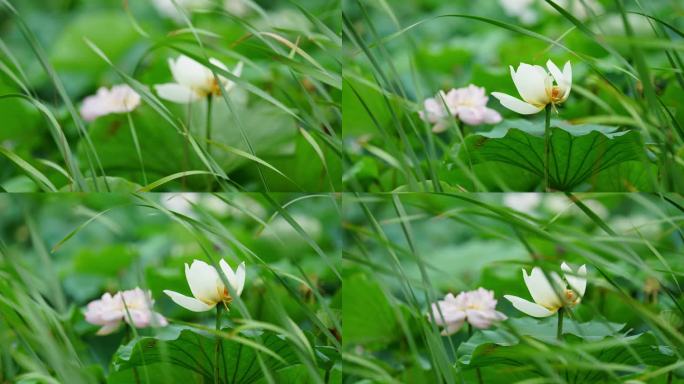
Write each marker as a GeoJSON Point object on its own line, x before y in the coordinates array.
{"type": "Point", "coordinates": [477, 370]}
{"type": "Point", "coordinates": [559, 330]}
{"type": "Point", "coordinates": [547, 147]}
{"type": "Point", "coordinates": [217, 348]}
{"type": "Point", "coordinates": [208, 123]}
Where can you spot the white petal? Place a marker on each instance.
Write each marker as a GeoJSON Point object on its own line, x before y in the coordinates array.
{"type": "Point", "coordinates": [567, 75]}
{"type": "Point", "coordinates": [204, 282]}
{"type": "Point", "coordinates": [237, 278]}
{"type": "Point", "coordinates": [240, 277]}
{"type": "Point", "coordinates": [227, 83]}
{"type": "Point", "coordinates": [177, 93]}
{"type": "Point", "coordinates": [440, 127]}
{"type": "Point", "coordinates": [452, 328]}
{"type": "Point", "coordinates": [491, 116]}
{"type": "Point", "coordinates": [189, 303]}
{"type": "Point", "coordinates": [108, 328]}
{"type": "Point", "coordinates": [577, 280]}
{"type": "Point", "coordinates": [559, 77]}
{"type": "Point", "coordinates": [516, 105]}
{"type": "Point", "coordinates": [527, 307]}
{"type": "Point", "coordinates": [541, 289]}
{"type": "Point", "coordinates": [190, 73]}
{"type": "Point", "coordinates": [531, 83]}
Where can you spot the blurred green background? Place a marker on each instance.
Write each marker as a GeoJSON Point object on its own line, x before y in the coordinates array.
{"type": "Point", "coordinates": [70, 249]}
{"type": "Point", "coordinates": [137, 36]}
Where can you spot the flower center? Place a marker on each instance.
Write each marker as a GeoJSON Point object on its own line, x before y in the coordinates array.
{"type": "Point", "coordinates": [556, 94]}
{"type": "Point", "coordinates": [571, 297]}
{"type": "Point", "coordinates": [215, 87]}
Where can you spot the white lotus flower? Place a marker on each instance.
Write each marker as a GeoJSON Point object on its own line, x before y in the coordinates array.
{"type": "Point", "coordinates": [476, 307]}
{"type": "Point", "coordinates": [523, 10]}
{"type": "Point", "coordinates": [167, 8]}
{"type": "Point", "coordinates": [194, 81]}
{"type": "Point", "coordinates": [550, 297]}
{"type": "Point", "coordinates": [468, 104]}
{"type": "Point", "coordinates": [536, 87]}
{"type": "Point", "coordinates": [207, 287]}
{"type": "Point", "coordinates": [526, 202]}
{"type": "Point", "coordinates": [119, 99]}
{"type": "Point", "coordinates": [132, 306]}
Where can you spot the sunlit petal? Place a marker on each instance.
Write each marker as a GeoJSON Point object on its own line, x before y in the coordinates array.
{"type": "Point", "coordinates": [516, 105]}
{"type": "Point", "coordinates": [528, 307]}
{"type": "Point", "coordinates": [189, 303]}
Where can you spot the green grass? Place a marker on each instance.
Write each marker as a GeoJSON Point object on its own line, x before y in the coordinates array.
{"type": "Point", "coordinates": [627, 75]}
{"type": "Point", "coordinates": [405, 251]}
{"type": "Point", "coordinates": [278, 130]}
{"type": "Point", "coordinates": [58, 253]}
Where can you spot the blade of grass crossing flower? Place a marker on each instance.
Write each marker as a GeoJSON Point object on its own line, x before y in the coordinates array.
{"type": "Point", "coordinates": [91, 153]}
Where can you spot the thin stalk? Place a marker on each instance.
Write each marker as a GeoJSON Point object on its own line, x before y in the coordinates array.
{"type": "Point", "coordinates": [217, 348]}
{"type": "Point", "coordinates": [477, 370]}
{"type": "Point", "coordinates": [207, 132]}
{"type": "Point", "coordinates": [547, 147]}
{"type": "Point", "coordinates": [559, 329]}
{"type": "Point", "coordinates": [208, 123]}
{"type": "Point", "coordinates": [128, 337]}
{"type": "Point", "coordinates": [136, 143]}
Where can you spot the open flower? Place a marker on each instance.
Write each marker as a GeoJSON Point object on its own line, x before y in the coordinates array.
{"type": "Point", "coordinates": [132, 306]}
{"type": "Point", "coordinates": [468, 104]}
{"type": "Point", "coordinates": [523, 10]}
{"type": "Point", "coordinates": [476, 307]}
{"type": "Point", "coordinates": [194, 81]}
{"type": "Point", "coordinates": [550, 297]}
{"type": "Point", "coordinates": [169, 9]}
{"type": "Point", "coordinates": [536, 87]}
{"type": "Point", "coordinates": [119, 99]}
{"type": "Point", "coordinates": [207, 287]}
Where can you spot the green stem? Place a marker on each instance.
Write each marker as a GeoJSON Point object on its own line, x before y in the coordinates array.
{"type": "Point", "coordinates": [217, 348]}
{"type": "Point", "coordinates": [207, 132]}
{"type": "Point", "coordinates": [128, 337]}
{"type": "Point", "coordinates": [547, 147]}
{"type": "Point", "coordinates": [477, 370]}
{"type": "Point", "coordinates": [559, 329]}
{"type": "Point", "coordinates": [208, 122]}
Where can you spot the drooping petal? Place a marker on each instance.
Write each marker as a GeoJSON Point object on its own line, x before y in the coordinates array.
{"type": "Point", "coordinates": [471, 116]}
{"type": "Point", "coordinates": [108, 328]}
{"type": "Point", "coordinates": [531, 83]}
{"type": "Point", "coordinates": [445, 312]}
{"type": "Point", "coordinates": [516, 105]}
{"type": "Point", "coordinates": [189, 303]}
{"type": "Point", "coordinates": [577, 280]}
{"type": "Point", "coordinates": [452, 328]}
{"type": "Point", "coordinates": [541, 289]}
{"type": "Point", "coordinates": [528, 307]}
{"type": "Point", "coordinates": [177, 93]}
{"type": "Point", "coordinates": [491, 116]}
{"type": "Point", "coordinates": [203, 281]}
{"type": "Point", "coordinates": [440, 127]}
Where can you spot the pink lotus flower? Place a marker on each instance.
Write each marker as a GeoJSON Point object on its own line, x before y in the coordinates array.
{"type": "Point", "coordinates": [132, 306]}
{"type": "Point", "coordinates": [468, 104]}
{"type": "Point", "coordinates": [119, 99]}
{"type": "Point", "coordinates": [475, 307]}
